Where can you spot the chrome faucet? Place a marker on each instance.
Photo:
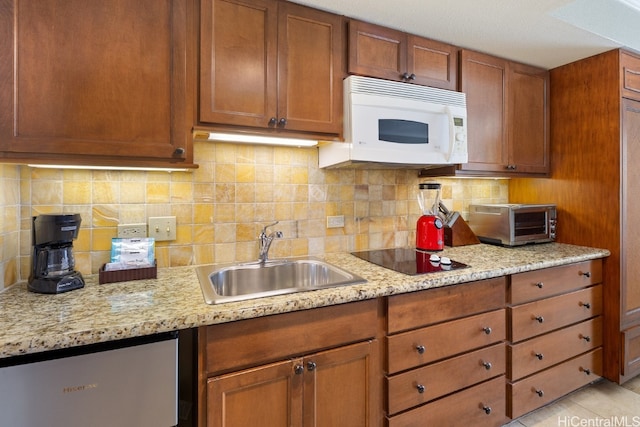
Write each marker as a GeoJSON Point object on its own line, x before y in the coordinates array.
{"type": "Point", "coordinates": [265, 242]}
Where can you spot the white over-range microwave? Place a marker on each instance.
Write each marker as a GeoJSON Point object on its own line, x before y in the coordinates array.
{"type": "Point", "coordinates": [391, 124]}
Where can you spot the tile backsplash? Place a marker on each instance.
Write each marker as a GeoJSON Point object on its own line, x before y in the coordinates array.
{"type": "Point", "coordinates": [222, 206]}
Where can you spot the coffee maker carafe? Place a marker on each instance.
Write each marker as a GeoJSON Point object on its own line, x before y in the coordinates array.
{"type": "Point", "coordinates": [52, 262]}
{"type": "Point", "coordinates": [429, 229]}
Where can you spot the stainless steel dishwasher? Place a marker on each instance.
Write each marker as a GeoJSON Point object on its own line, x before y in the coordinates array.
{"type": "Point", "coordinates": [132, 382]}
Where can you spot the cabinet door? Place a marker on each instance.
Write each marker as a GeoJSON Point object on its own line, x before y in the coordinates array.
{"type": "Point", "coordinates": [528, 119]}
{"type": "Point", "coordinates": [630, 75]}
{"type": "Point", "coordinates": [484, 79]}
{"type": "Point", "coordinates": [630, 272]}
{"type": "Point", "coordinates": [432, 63]}
{"type": "Point", "coordinates": [376, 51]}
{"type": "Point", "coordinates": [238, 62]}
{"type": "Point", "coordinates": [95, 82]}
{"type": "Point", "coordinates": [340, 387]}
{"type": "Point", "coordinates": [310, 69]}
{"type": "Point", "coordinates": [267, 396]}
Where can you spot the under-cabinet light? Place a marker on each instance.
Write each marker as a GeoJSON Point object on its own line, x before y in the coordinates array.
{"type": "Point", "coordinates": [256, 139]}
{"type": "Point", "coordinates": [111, 168]}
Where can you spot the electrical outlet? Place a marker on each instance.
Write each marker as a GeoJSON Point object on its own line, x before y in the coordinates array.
{"type": "Point", "coordinates": [130, 231]}
{"type": "Point", "coordinates": [336, 221]}
{"type": "Point", "coordinates": [162, 228]}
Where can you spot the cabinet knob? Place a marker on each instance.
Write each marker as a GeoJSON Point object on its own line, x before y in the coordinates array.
{"type": "Point", "coordinates": [540, 393]}
{"type": "Point", "coordinates": [311, 366]}
{"type": "Point", "coordinates": [587, 338]}
{"type": "Point", "coordinates": [540, 319]}
{"type": "Point", "coordinates": [282, 122]}
{"type": "Point", "coordinates": [273, 121]}
{"type": "Point", "coordinates": [586, 305]}
{"type": "Point", "coordinates": [412, 76]}
{"type": "Point", "coordinates": [179, 151]}
{"type": "Point", "coordinates": [587, 371]}
{"type": "Point", "coordinates": [420, 349]}
{"type": "Point", "coordinates": [420, 388]}
{"type": "Point", "coordinates": [405, 76]}
{"type": "Point", "coordinates": [487, 330]}
{"type": "Point", "coordinates": [586, 274]}
{"type": "Point", "coordinates": [540, 356]}
{"type": "Point", "coordinates": [486, 409]}
{"type": "Point", "coordinates": [298, 369]}
{"type": "Point", "coordinates": [487, 365]}
{"type": "Point", "coordinates": [540, 285]}
{"type": "Point", "coordinates": [511, 167]}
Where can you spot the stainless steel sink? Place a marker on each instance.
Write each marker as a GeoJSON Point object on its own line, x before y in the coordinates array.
{"type": "Point", "coordinates": [253, 280]}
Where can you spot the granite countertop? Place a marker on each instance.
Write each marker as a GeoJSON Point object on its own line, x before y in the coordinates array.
{"type": "Point", "coordinates": [33, 323]}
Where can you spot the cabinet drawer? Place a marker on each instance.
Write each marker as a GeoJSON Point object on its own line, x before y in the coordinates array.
{"type": "Point", "coordinates": [414, 310]}
{"type": "Point", "coordinates": [421, 385]}
{"type": "Point", "coordinates": [546, 386]}
{"type": "Point", "coordinates": [252, 342]}
{"type": "Point", "coordinates": [480, 405]}
{"type": "Point", "coordinates": [538, 284]}
{"type": "Point", "coordinates": [539, 317]}
{"type": "Point", "coordinates": [539, 353]}
{"type": "Point", "coordinates": [631, 352]}
{"type": "Point", "coordinates": [415, 348]}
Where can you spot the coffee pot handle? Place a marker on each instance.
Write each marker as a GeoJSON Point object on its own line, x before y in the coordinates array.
{"type": "Point", "coordinates": [42, 262]}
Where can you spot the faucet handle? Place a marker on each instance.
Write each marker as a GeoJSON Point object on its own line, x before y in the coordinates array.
{"type": "Point", "coordinates": [264, 229]}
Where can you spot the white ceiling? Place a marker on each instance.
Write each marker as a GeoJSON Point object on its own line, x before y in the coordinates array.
{"type": "Point", "coordinates": [546, 33]}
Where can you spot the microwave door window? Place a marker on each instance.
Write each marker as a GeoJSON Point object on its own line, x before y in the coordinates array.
{"type": "Point", "coordinates": [403, 131]}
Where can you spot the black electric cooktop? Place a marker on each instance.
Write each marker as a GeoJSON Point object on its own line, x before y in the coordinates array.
{"type": "Point", "coordinates": [408, 261]}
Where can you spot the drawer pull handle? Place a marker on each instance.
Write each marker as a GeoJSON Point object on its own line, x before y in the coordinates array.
{"type": "Point", "coordinates": [540, 285]}
{"type": "Point", "coordinates": [311, 366]}
{"type": "Point", "coordinates": [586, 274]}
{"type": "Point", "coordinates": [540, 319]}
{"type": "Point", "coordinates": [486, 409]}
{"type": "Point", "coordinates": [487, 365]}
{"type": "Point", "coordinates": [298, 369]}
{"type": "Point", "coordinates": [586, 305]}
{"type": "Point", "coordinates": [587, 371]}
{"type": "Point", "coordinates": [540, 356]}
{"type": "Point", "coordinates": [587, 338]}
{"type": "Point", "coordinates": [540, 393]}
{"type": "Point", "coordinates": [420, 349]}
{"type": "Point", "coordinates": [420, 388]}
{"type": "Point", "coordinates": [487, 330]}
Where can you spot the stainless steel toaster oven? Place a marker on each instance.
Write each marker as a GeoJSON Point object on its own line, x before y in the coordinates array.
{"type": "Point", "coordinates": [513, 224]}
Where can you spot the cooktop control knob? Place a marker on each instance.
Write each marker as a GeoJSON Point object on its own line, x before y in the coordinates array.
{"type": "Point", "coordinates": [445, 260]}
{"type": "Point", "coordinates": [434, 258]}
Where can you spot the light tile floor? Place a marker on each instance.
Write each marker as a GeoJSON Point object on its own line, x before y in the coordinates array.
{"type": "Point", "coordinates": [602, 404]}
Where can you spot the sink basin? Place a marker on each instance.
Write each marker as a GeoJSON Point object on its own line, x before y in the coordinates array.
{"type": "Point", "coordinates": [253, 280]}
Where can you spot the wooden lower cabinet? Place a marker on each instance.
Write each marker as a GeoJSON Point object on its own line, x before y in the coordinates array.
{"type": "Point", "coordinates": [631, 351]}
{"type": "Point", "coordinates": [555, 339]}
{"type": "Point", "coordinates": [329, 388]}
{"type": "Point", "coordinates": [446, 356]}
{"type": "Point", "coordinates": [481, 405]}
{"type": "Point", "coordinates": [311, 368]}
{"type": "Point", "coordinates": [539, 389]}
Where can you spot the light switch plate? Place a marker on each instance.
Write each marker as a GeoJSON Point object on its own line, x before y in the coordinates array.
{"type": "Point", "coordinates": [162, 228]}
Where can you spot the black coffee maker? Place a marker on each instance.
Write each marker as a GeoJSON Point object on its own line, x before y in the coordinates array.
{"type": "Point", "coordinates": [52, 262]}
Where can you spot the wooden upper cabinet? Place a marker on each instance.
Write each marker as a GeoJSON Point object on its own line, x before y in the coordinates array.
{"type": "Point", "coordinates": [483, 79]}
{"type": "Point", "coordinates": [630, 75]}
{"type": "Point", "coordinates": [507, 115]}
{"type": "Point", "coordinates": [271, 64]}
{"type": "Point", "coordinates": [528, 116]}
{"type": "Point", "coordinates": [385, 53]}
{"type": "Point", "coordinates": [95, 82]}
